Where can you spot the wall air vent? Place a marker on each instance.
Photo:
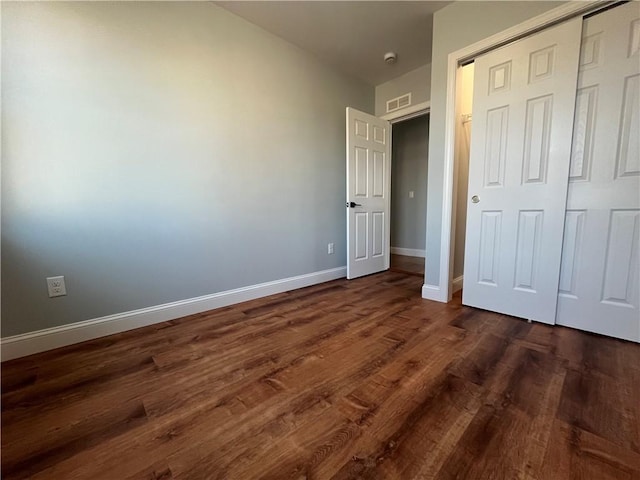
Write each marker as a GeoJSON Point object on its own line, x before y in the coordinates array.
{"type": "Point", "coordinates": [397, 103]}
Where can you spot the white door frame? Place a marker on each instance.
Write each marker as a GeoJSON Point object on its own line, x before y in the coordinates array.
{"type": "Point", "coordinates": [413, 111]}
{"type": "Point", "coordinates": [443, 291]}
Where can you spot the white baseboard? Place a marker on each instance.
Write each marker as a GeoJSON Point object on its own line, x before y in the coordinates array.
{"type": "Point", "coordinates": [409, 252]}
{"type": "Point", "coordinates": [433, 292]}
{"type": "Point", "coordinates": [39, 341]}
{"type": "Point", "coordinates": [457, 284]}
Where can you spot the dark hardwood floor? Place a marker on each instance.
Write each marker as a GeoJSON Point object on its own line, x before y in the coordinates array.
{"type": "Point", "coordinates": [405, 264]}
{"type": "Point", "coordinates": [345, 380]}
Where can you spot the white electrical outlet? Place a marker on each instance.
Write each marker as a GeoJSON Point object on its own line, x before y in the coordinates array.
{"type": "Point", "coordinates": [330, 248]}
{"type": "Point", "coordinates": [56, 286]}
{"type": "Point", "coordinates": [410, 193]}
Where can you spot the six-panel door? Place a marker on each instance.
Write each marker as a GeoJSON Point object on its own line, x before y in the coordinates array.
{"type": "Point", "coordinates": [523, 104]}
{"type": "Point", "coordinates": [599, 285]}
{"type": "Point", "coordinates": [368, 186]}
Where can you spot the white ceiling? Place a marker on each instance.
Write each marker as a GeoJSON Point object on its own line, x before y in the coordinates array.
{"type": "Point", "coordinates": [351, 36]}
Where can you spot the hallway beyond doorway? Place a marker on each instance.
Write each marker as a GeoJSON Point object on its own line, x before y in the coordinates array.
{"type": "Point", "coordinates": [406, 264]}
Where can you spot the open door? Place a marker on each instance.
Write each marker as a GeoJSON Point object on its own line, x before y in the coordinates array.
{"type": "Point", "coordinates": [523, 104]}
{"type": "Point", "coordinates": [368, 193]}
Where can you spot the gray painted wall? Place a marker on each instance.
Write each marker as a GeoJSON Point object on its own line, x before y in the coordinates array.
{"type": "Point", "coordinates": [154, 152]}
{"type": "Point", "coordinates": [454, 27]}
{"type": "Point", "coordinates": [409, 173]}
{"type": "Point", "coordinates": [417, 81]}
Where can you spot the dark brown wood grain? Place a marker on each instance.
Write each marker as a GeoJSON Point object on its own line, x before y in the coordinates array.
{"type": "Point", "coordinates": [357, 379]}
{"type": "Point", "coordinates": [406, 264]}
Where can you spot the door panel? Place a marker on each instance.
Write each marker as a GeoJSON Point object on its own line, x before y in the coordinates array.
{"type": "Point", "coordinates": [490, 235]}
{"type": "Point", "coordinates": [536, 140]}
{"type": "Point", "coordinates": [496, 147]}
{"type": "Point", "coordinates": [619, 263]}
{"type": "Point", "coordinates": [361, 229]}
{"type": "Point", "coordinates": [628, 151]}
{"type": "Point", "coordinates": [600, 263]}
{"type": "Point", "coordinates": [528, 249]}
{"type": "Point", "coordinates": [571, 250]}
{"type": "Point", "coordinates": [523, 103]}
{"type": "Point", "coordinates": [368, 185]}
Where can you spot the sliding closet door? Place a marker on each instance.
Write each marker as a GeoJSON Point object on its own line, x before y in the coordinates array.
{"type": "Point", "coordinates": [523, 104]}
{"type": "Point", "coordinates": [600, 263]}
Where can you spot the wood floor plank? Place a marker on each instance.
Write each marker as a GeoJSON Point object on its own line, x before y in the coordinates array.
{"type": "Point", "coordinates": [406, 264]}
{"type": "Point", "coordinates": [597, 404]}
{"type": "Point", "coordinates": [395, 449]}
{"type": "Point", "coordinates": [494, 445]}
{"type": "Point", "coordinates": [238, 404]}
{"type": "Point", "coordinates": [345, 380]}
{"type": "Point", "coordinates": [299, 378]}
{"type": "Point", "coordinates": [27, 457]}
{"type": "Point", "coordinates": [580, 455]}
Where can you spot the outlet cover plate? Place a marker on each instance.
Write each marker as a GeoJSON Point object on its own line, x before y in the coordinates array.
{"type": "Point", "coordinates": [56, 286]}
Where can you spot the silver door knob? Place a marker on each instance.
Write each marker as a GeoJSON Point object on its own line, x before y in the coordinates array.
{"type": "Point", "coordinates": [475, 199]}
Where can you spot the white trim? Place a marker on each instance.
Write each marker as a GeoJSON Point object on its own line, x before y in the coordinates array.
{"type": "Point", "coordinates": [563, 12]}
{"type": "Point", "coordinates": [407, 113]}
{"type": "Point", "coordinates": [409, 252]}
{"type": "Point", "coordinates": [530, 26]}
{"type": "Point", "coordinates": [432, 292]}
{"type": "Point", "coordinates": [50, 338]}
{"type": "Point", "coordinates": [456, 285]}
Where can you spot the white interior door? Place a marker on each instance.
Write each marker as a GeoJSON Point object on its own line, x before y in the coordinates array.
{"type": "Point", "coordinates": [600, 262]}
{"type": "Point", "coordinates": [523, 104]}
{"type": "Point", "coordinates": [368, 193]}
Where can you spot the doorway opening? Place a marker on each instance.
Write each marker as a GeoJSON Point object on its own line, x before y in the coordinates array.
{"type": "Point", "coordinates": [461, 170]}
{"type": "Point", "coordinates": [370, 161]}
{"type": "Point", "coordinates": [409, 159]}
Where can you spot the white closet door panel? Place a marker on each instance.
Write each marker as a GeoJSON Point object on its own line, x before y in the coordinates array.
{"type": "Point", "coordinates": [523, 103]}
{"type": "Point", "coordinates": [600, 261]}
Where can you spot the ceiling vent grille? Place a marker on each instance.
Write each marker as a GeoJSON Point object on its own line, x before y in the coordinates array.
{"type": "Point", "coordinates": [397, 103]}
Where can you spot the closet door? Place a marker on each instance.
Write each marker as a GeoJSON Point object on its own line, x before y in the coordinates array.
{"type": "Point", "coordinates": [600, 262]}
{"type": "Point", "coordinates": [523, 104]}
